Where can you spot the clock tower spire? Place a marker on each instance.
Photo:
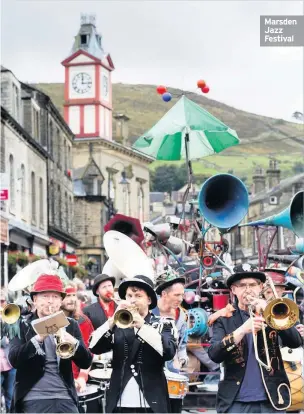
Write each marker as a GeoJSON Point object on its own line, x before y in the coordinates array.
{"type": "Point", "coordinates": [88, 87]}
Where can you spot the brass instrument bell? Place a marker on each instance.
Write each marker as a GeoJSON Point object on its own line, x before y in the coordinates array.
{"type": "Point", "coordinates": [10, 313]}
{"type": "Point", "coordinates": [64, 349]}
{"type": "Point", "coordinates": [123, 318]}
{"type": "Point", "coordinates": [281, 313]}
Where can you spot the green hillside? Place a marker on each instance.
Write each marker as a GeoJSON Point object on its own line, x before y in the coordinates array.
{"type": "Point", "coordinates": [260, 136]}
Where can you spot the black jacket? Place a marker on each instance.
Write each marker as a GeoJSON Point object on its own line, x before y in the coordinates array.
{"type": "Point", "coordinates": [96, 314]}
{"type": "Point", "coordinates": [131, 352]}
{"type": "Point", "coordinates": [234, 359]}
{"type": "Point", "coordinates": [30, 364]}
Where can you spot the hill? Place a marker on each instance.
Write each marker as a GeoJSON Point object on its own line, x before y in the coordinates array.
{"type": "Point", "coordinates": [260, 136]}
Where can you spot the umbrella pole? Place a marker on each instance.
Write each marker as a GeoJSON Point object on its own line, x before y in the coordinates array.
{"type": "Point", "coordinates": [189, 163]}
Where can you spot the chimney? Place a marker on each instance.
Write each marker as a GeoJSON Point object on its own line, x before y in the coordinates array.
{"type": "Point", "coordinates": [259, 181]}
{"type": "Point", "coordinates": [121, 128]}
{"type": "Point", "coordinates": [273, 174]}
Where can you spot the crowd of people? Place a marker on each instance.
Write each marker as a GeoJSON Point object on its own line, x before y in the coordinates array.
{"type": "Point", "coordinates": [35, 378]}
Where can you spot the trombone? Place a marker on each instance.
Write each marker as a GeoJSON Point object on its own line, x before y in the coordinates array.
{"type": "Point", "coordinates": [255, 341]}
{"type": "Point", "coordinates": [280, 313]}
{"type": "Point", "coordinates": [10, 313]}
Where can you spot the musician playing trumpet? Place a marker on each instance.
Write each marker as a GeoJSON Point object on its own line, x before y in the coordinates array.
{"type": "Point", "coordinates": [140, 349]}
{"type": "Point", "coordinates": [254, 376]}
{"type": "Point", "coordinates": [44, 381]}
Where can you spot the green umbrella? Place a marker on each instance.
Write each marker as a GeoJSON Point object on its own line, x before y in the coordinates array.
{"type": "Point", "coordinates": [186, 131]}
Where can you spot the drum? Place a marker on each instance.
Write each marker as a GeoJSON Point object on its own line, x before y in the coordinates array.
{"type": "Point", "coordinates": [90, 400]}
{"type": "Point", "coordinates": [101, 377]}
{"type": "Point", "coordinates": [293, 364]}
{"type": "Point", "coordinates": [177, 384]}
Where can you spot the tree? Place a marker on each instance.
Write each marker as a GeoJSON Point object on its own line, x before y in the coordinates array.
{"type": "Point", "coordinates": [298, 115]}
{"type": "Point", "coordinates": [168, 178]}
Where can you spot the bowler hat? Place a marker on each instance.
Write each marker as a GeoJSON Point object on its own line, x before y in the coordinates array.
{"type": "Point", "coordinates": [142, 282]}
{"type": "Point", "coordinates": [99, 279]}
{"type": "Point", "coordinates": [245, 271]}
{"type": "Point", "coordinates": [48, 283]}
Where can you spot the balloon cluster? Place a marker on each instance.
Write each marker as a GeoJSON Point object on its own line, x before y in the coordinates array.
{"type": "Point", "coordinates": [202, 85]}
{"type": "Point", "coordinates": [166, 96]}
{"type": "Point", "coordinates": [162, 90]}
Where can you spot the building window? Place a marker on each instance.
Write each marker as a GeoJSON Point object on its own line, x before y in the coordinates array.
{"type": "Point", "coordinates": [83, 39]}
{"type": "Point", "coordinates": [33, 190]}
{"type": "Point", "coordinates": [35, 123]}
{"type": "Point", "coordinates": [59, 206]}
{"type": "Point", "coordinates": [58, 148]}
{"type": "Point", "coordinates": [52, 202]}
{"type": "Point", "coordinates": [66, 201]}
{"type": "Point", "coordinates": [22, 187]}
{"type": "Point", "coordinates": [12, 188]}
{"type": "Point", "coordinates": [69, 158]}
{"type": "Point", "coordinates": [41, 203]}
{"type": "Point", "coordinates": [65, 156]}
{"type": "Point", "coordinates": [140, 203]}
{"type": "Point", "coordinates": [71, 212]}
{"type": "Point", "coordinates": [2, 154]}
{"type": "Point", "coordinates": [51, 138]}
{"type": "Point", "coordinates": [16, 102]}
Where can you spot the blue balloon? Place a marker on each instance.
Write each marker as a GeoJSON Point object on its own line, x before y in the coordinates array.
{"type": "Point", "coordinates": [167, 97]}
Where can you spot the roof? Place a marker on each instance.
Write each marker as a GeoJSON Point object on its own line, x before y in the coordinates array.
{"type": "Point", "coordinates": [157, 197]}
{"type": "Point", "coordinates": [287, 182]}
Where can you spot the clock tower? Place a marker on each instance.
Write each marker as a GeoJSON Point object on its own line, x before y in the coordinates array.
{"type": "Point", "coordinates": [88, 87]}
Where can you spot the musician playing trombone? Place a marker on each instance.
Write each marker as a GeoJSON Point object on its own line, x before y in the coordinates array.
{"type": "Point", "coordinates": [44, 379]}
{"type": "Point", "coordinates": [254, 376]}
{"type": "Point", "coordinates": [140, 349]}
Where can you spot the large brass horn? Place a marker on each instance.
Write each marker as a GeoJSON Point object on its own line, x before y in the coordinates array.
{"type": "Point", "coordinates": [123, 318]}
{"type": "Point", "coordinates": [10, 313]}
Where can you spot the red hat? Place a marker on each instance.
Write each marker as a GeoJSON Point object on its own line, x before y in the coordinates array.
{"type": "Point", "coordinates": [48, 283]}
{"type": "Point", "coordinates": [277, 276]}
{"type": "Point", "coordinates": [70, 289]}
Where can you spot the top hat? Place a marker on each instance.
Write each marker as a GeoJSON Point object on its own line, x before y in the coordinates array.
{"type": "Point", "coordinates": [99, 279]}
{"type": "Point", "coordinates": [48, 283]}
{"type": "Point", "coordinates": [245, 271]}
{"type": "Point", "coordinates": [142, 282]}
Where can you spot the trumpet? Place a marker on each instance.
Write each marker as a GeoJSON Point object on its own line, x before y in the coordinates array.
{"type": "Point", "coordinates": [64, 349]}
{"type": "Point", "coordinates": [10, 313]}
{"type": "Point", "coordinates": [123, 318]}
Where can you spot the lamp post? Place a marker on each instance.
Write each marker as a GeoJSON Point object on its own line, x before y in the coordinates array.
{"type": "Point", "coordinates": [124, 182]}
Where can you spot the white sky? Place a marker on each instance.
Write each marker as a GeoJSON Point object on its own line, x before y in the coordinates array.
{"type": "Point", "coordinates": [164, 42]}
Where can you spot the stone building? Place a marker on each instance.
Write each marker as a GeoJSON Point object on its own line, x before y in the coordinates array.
{"type": "Point", "coordinates": [270, 196]}
{"type": "Point", "coordinates": [42, 123]}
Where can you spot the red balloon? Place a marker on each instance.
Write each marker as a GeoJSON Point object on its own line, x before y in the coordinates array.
{"type": "Point", "coordinates": [205, 89]}
{"type": "Point", "coordinates": [201, 83]}
{"type": "Point", "coordinates": [161, 89]}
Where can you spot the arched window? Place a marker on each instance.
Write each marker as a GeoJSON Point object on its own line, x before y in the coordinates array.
{"type": "Point", "coordinates": [52, 202]}
{"type": "Point", "coordinates": [12, 195]}
{"type": "Point", "coordinates": [33, 192]}
{"type": "Point", "coordinates": [22, 189]}
{"type": "Point", "coordinates": [59, 206]}
{"type": "Point", "coordinates": [41, 203]}
{"type": "Point", "coordinates": [140, 203]}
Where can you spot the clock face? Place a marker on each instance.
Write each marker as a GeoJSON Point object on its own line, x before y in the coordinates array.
{"type": "Point", "coordinates": [105, 85]}
{"type": "Point", "coordinates": [82, 82]}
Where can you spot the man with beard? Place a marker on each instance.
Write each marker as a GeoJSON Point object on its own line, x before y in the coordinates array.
{"type": "Point", "coordinates": [71, 307]}
{"type": "Point", "coordinates": [44, 380]}
{"type": "Point", "coordinates": [104, 308]}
